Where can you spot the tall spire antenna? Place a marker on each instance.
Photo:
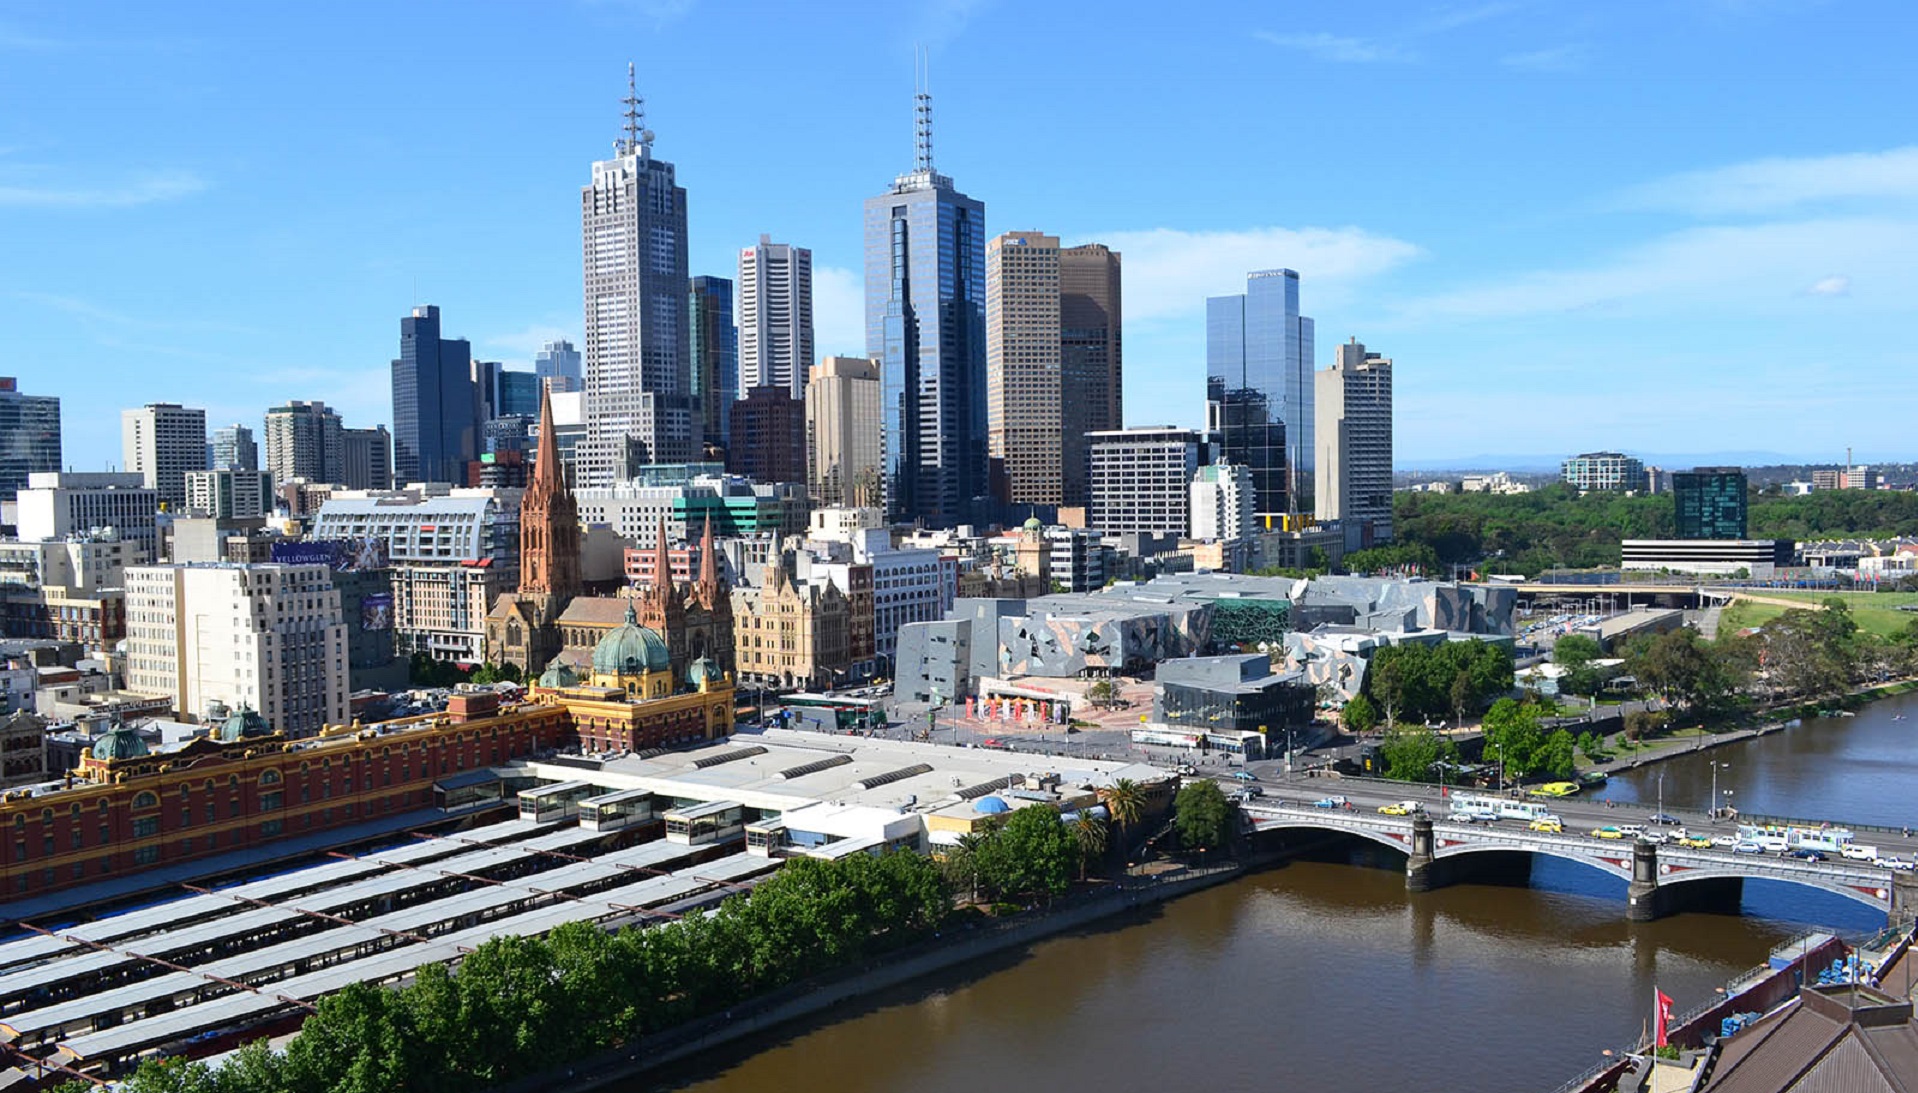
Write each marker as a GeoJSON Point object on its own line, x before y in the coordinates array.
{"type": "Point", "coordinates": [922, 112]}
{"type": "Point", "coordinates": [635, 133]}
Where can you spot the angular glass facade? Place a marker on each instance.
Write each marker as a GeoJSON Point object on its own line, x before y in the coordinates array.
{"type": "Point", "coordinates": [1259, 353]}
{"type": "Point", "coordinates": [29, 435]}
{"type": "Point", "coordinates": [435, 423]}
{"type": "Point", "coordinates": [1710, 503]}
{"type": "Point", "coordinates": [925, 322]}
{"type": "Point", "coordinates": [715, 349]}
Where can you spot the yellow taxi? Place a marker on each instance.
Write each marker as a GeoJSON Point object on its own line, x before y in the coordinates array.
{"type": "Point", "coordinates": [1551, 825]}
{"type": "Point", "coordinates": [1607, 832]}
{"type": "Point", "coordinates": [1401, 808]}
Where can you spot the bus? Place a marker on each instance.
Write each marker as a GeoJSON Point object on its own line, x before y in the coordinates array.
{"type": "Point", "coordinates": [847, 714]}
{"type": "Point", "coordinates": [1499, 808]}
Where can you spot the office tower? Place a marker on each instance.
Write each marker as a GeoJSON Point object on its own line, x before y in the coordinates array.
{"type": "Point", "coordinates": [1608, 471]}
{"type": "Point", "coordinates": [56, 504]}
{"type": "Point", "coordinates": [775, 316]}
{"type": "Point", "coordinates": [29, 436]}
{"type": "Point", "coordinates": [925, 322]}
{"type": "Point", "coordinates": [162, 441]}
{"type": "Point", "coordinates": [557, 360]}
{"type": "Point", "coordinates": [282, 624]}
{"type": "Point", "coordinates": [1354, 431]}
{"type": "Point", "coordinates": [1242, 429]}
{"type": "Point", "coordinates": [843, 445]}
{"type": "Point", "coordinates": [1023, 395]}
{"type": "Point", "coordinates": [1710, 503]}
{"type": "Point", "coordinates": [366, 457]}
{"type": "Point", "coordinates": [1091, 358]}
{"type": "Point", "coordinates": [1222, 503]}
{"type": "Point", "coordinates": [435, 412]}
{"type": "Point", "coordinates": [769, 436]}
{"type": "Point", "coordinates": [226, 494]}
{"type": "Point", "coordinates": [715, 349]}
{"type": "Point", "coordinates": [1258, 354]}
{"type": "Point", "coordinates": [233, 447]}
{"type": "Point", "coordinates": [518, 395]}
{"type": "Point", "coordinates": [639, 405]}
{"type": "Point", "coordinates": [1141, 480]}
{"type": "Point", "coordinates": [304, 440]}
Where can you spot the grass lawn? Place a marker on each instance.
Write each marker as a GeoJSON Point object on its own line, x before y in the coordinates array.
{"type": "Point", "coordinates": [1875, 612]}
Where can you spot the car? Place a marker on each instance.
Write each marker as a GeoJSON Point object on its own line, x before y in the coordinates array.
{"type": "Point", "coordinates": [1631, 831]}
{"type": "Point", "coordinates": [1248, 776]}
{"type": "Point", "coordinates": [1551, 825]}
{"type": "Point", "coordinates": [1663, 819]}
{"type": "Point", "coordinates": [1696, 842]}
{"type": "Point", "coordinates": [1186, 768]}
{"type": "Point", "coordinates": [1858, 851]}
{"type": "Point", "coordinates": [1401, 808]}
{"type": "Point", "coordinates": [1895, 863]}
{"type": "Point", "coordinates": [1334, 801]}
{"type": "Point", "coordinates": [1656, 838]}
{"type": "Point", "coordinates": [1746, 846]}
{"type": "Point", "coordinates": [1806, 853]}
{"type": "Point", "coordinates": [1725, 841]}
{"type": "Point", "coordinates": [1474, 816]}
{"type": "Point", "coordinates": [1608, 832]}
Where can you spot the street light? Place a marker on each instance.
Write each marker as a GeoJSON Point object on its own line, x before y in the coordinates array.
{"type": "Point", "coordinates": [1716, 764]}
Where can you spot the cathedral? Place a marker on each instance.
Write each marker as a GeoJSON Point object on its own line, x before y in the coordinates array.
{"type": "Point", "coordinates": [549, 620]}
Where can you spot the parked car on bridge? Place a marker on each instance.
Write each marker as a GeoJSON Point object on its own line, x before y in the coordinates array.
{"type": "Point", "coordinates": [1631, 831]}
{"type": "Point", "coordinates": [1334, 801]}
{"type": "Point", "coordinates": [1807, 854]}
{"type": "Point", "coordinates": [1746, 846]}
{"type": "Point", "coordinates": [1725, 841]}
{"type": "Point", "coordinates": [1401, 808]}
{"type": "Point", "coordinates": [1608, 832]}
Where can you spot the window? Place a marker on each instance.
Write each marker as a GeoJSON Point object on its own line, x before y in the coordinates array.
{"type": "Point", "coordinates": [146, 827]}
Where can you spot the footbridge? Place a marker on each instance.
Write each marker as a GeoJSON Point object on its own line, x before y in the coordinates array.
{"type": "Point", "coordinates": [1660, 879]}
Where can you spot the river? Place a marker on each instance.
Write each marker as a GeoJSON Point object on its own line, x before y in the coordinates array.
{"type": "Point", "coordinates": [1326, 975]}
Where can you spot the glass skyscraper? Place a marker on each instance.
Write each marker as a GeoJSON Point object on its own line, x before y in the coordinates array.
{"type": "Point", "coordinates": [715, 348]}
{"type": "Point", "coordinates": [925, 323]}
{"type": "Point", "coordinates": [29, 435]}
{"type": "Point", "coordinates": [1258, 352]}
{"type": "Point", "coordinates": [1710, 503]}
{"type": "Point", "coordinates": [435, 413]}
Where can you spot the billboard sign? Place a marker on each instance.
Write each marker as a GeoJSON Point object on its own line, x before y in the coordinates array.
{"type": "Point", "coordinates": [376, 611]}
{"type": "Point", "coordinates": [338, 554]}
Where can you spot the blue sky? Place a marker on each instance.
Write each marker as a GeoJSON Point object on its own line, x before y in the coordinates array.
{"type": "Point", "coordinates": [1677, 226]}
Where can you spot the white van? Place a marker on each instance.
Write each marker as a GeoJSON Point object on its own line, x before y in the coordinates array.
{"type": "Point", "coordinates": [1858, 851]}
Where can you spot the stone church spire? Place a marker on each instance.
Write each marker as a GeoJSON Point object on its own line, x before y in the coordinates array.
{"type": "Point", "coordinates": [548, 521]}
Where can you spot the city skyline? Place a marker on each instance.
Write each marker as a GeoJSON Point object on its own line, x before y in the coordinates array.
{"type": "Point", "coordinates": [1568, 234]}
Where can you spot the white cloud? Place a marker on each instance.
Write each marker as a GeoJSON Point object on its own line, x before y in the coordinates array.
{"type": "Point", "coordinates": [1337, 49]}
{"type": "Point", "coordinates": [1768, 185]}
{"type": "Point", "coordinates": [838, 312]}
{"type": "Point", "coordinates": [142, 188]}
{"type": "Point", "coordinates": [1455, 17]}
{"type": "Point", "coordinates": [1831, 286]}
{"type": "Point", "coordinates": [1557, 59]}
{"type": "Point", "coordinates": [1740, 267]}
{"type": "Point", "coordinates": [1169, 273]}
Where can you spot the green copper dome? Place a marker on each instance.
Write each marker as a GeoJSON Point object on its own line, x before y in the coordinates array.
{"type": "Point", "coordinates": [1033, 524]}
{"type": "Point", "coordinates": [244, 723]}
{"type": "Point", "coordinates": [120, 742]}
{"type": "Point", "coordinates": [558, 675]}
{"type": "Point", "coordinates": [630, 649]}
{"type": "Point", "coordinates": [702, 672]}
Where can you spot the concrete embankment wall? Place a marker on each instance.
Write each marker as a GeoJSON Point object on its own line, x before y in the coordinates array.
{"type": "Point", "coordinates": [957, 948]}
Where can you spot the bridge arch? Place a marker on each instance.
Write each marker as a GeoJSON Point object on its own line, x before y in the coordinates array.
{"type": "Point", "coordinates": [1878, 899]}
{"type": "Point", "coordinates": [1370, 832]}
{"type": "Point", "coordinates": [1616, 865]}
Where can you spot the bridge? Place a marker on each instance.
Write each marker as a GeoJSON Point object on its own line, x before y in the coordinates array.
{"type": "Point", "coordinates": [1660, 879]}
{"type": "Point", "coordinates": [1660, 594]}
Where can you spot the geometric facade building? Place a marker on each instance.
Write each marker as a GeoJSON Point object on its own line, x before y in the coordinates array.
{"type": "Point", "coordinates": [29, 436]}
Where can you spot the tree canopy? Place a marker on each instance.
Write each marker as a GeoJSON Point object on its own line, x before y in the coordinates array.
{"type": "Point", "coordinates": [1417, 682]}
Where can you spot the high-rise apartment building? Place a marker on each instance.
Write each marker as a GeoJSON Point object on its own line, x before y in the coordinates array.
{"type": "Point", "coordinates": [639, 390]}
{"type": "Point", "coordinates": [1024, 405]}
{"type": "Point", "coordinates": [1609, 471]}
{"type": "Point", "coordinates": [233, 447]}
{"type": "Point", "coordinates": [557, 365]}
{"type": "Point", "coordinates": [264, 637]}
{"type": "Point", "coordinates": [715, 349]}
{"type": "Point", "coordinates": [366, 458]}
{"type": "Point", "coordinates": [769, 433]}
{"type": "Point", "coordinates": [843, 445]}
{"type": "Point", "coordinates": [162, 441]}
{"type": "Point", "coordinates": [1091, 358]}
{"type": "Point", "coordinates": [1222, 503]}
{"type": "Point", "coordinates": [29, 436]}
{"type": "Point", "coordinates": [1710, 503]}
{"type": "Point", "coordinates": [435, 412]}
{"type": "Point", "coordinates": [1141, 480]}
{"type": "Point", "coordinates": [925, 322]}
{"type": "Point", "coordinates": [1258, 354]}
{"type": "Point", "coordinates": [775, 316]}
{"type": "Point", "coordinates": [227, 494]}
{"type": "Point", "coordinates": [1355, 446]}
{"type": "Point", "coordinates": [304, 440]}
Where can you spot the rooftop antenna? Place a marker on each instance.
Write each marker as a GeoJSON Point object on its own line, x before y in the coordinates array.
{"type": "Point", "coordinates": [634, 135]}
{"type": "Point", "coordinates": [922, 110]}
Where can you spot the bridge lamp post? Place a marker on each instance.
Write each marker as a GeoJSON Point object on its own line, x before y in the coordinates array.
{"type": "Point", "coordinates": [1714, 799]}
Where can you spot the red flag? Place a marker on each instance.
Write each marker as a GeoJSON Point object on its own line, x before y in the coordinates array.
{"type": "Point", "coordinates": [1662, 1002]}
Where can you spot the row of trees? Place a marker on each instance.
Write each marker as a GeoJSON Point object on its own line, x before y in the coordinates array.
{"type": "Point", "coordinates": [519, 1005]}
{"type": "Point", "coordinates": [1430, 682]}
{"type": "Point", "coordinates": [1034, 853]}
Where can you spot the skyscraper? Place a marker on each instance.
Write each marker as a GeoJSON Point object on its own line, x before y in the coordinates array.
{"type": "Point", "coordinates": [1141, 480]}
{"type": "Point", "coordinates": [715, 348]}
{"type": "Point", "coordinates": [639, 390]}
{"type": "Point", "coordinates": [925, 321]}
{"type": "Point", "coordinates": [233, 448]}
{"type": "Point", "coordinates": [1091, 364]}
{"type": "Point", "coordinates": [1258, 354]}
{"type": "Point", "coordinates": [769, 428]}
{"type": "Point", "coordinates": [843, 444]}
{"type": "Point", "coordinates": [162, 441]}
{"type": "Point", "coordinates": [1354, 430]}
{"type": "Point", "coordinates": [1710, 503]}
{"type": "Point", "coordinates": [1023, 394]}
{"type": "Point", "coordinates": [775, 316]}
{"type": "Point", "coordinates": [435, 413]}
{"type": "Point", "coordinates": [558, 363]}
{"type": "Point", "coordinates": [367, 458]}
{"type": "Point", "coordinates": [304, 440]}
{"type": "Point", "coordinates": [29, 436]}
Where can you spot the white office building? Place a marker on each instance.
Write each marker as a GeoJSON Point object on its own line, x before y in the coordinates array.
{"type": "Point", "coordinates": [230, 494]}
{"type": "Point", "coordinates": [1354, 431]}
{"type": "Point", "coordinates": [265, 637]}
{"type": "Point", "coordinates": [775, 317]}
{"type": "Point", "coordinates": [1223, 503]}
{"type": "Point", "coordinates": [57, 504]}
{"type": "Point", "coordinates": [1141, 480]}
{"type": "Point", "coordinates": [160, 442]}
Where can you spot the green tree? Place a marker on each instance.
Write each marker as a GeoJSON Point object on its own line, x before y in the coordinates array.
{"type": "Point", "coordinates": [1125, 803]}
{"type": "Point", "coordinates": [1513, 736]}
{"type": "Point", "coordinates": [1575, 650]}
{"type": "Point", "coordinates": [1588, 743]}
{"type": "Point", "coordinates": [1388, 683]}
{"type": "Point", "coordinates": [1032, 856]}
{"type": "Point", "coordinates": [1202, 816]}
{"type": "Point", "coordinates": [1411, 751]}
{"type": "Point", "coordinates": [1464, 696]}
{"type": "Point", "coordinates": [1089, 832]}
{"type": "Point", "coordinates": [1359, 715]}
{"type": "Point", "coordinates": [1557, 758]}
